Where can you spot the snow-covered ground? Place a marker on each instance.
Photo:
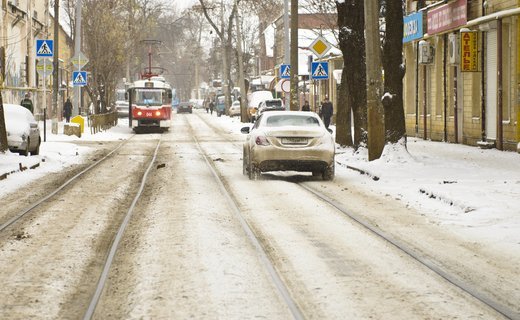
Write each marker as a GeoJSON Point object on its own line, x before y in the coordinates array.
{"type": "Point", "coordinates": [475, 191]}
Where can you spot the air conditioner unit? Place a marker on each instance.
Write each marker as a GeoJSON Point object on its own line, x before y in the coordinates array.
{"type": "Point", "coordinates": [453, 48]}
{"type": "Point", "coordinates": [426, 52]}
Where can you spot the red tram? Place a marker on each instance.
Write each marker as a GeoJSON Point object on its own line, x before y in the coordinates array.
{"type": "Point", "coordinates": [150, 103]}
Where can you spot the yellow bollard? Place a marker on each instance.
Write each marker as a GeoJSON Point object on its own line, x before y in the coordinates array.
{"type": "Point", "coordinates": [79, 120]}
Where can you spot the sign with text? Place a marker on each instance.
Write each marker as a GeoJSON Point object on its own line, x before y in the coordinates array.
{"type": "Point", "coordinates": [448, 16]}
{"type": "Point", "coordinates": [469, 51]}
{"type": "Point", "coordinates": [413, 27]}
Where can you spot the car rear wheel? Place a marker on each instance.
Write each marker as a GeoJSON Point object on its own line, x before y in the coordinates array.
{"type": "Point", "coordinates": [328, 173]}
{"type": "Point", "coordinates": [245, 164]}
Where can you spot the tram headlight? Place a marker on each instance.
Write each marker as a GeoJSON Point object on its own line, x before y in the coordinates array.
{"type": "Point", "coordinates": [158, 113]}
{"type": "Point", "coordinates": [139, 113]}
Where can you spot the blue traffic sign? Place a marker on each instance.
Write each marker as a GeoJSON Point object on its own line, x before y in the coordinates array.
{"type": "Point", "coordinates": [79, 78]}
{"type": "Point", "coordinates": [44, 48]}
{"type": "Point", "coordinates": [320, 70]}
{"type": "Point", "coordinates": [285, 71]}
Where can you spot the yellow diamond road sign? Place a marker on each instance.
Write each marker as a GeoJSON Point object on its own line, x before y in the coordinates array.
{"type": "Point", "coordinates": [320, 46]}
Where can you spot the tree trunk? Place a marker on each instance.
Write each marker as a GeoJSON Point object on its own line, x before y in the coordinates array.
{"type": "Point", "coordinates": [343, 114]}
{"type": "Point", "coordinates": [394, 72]}
{"type": "Point", "coordinates": [351, 24]}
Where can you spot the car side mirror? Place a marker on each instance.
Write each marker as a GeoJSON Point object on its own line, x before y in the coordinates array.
{"type": "Point", "coordinates": [245, 130]}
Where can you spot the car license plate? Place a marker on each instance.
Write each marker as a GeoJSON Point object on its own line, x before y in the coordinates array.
{"type": "Point", "coordinates": [294, 140]}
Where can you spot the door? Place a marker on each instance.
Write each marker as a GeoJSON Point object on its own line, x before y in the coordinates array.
{"type": "Point", "coordinates": [491, 84]}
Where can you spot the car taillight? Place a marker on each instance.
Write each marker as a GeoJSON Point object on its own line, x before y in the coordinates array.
{"type": "Point", "coordinates": [261, 141]}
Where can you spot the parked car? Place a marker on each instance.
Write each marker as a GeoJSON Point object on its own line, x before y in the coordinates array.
{"type": "Point", "coordinates": [197, 103]}
{"type": "Point", "coordinates": [234, 110]}
{"type": "Point", "coordinates": [254, 99]}
{"type": "Point", "coordinates": [185, 107]}
{"type": "Point", "coordinates": [220, 106]}
{"type": "Point", "coordinates": [270, 105]}
{"type": "Point", "coordinates": [122, 108]}
{"type": "Point", "coordinates": [23, 133]}
{"type": "Point", "coordinates": [288, 141]}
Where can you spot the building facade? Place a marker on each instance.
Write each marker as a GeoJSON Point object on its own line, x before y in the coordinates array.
{"type": "Point", "coordinates": [22, 22]}
{"type": "Point", "coordinates": [462, 82]}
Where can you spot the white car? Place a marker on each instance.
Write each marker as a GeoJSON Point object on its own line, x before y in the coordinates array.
{"type": "Point", "coordinates": [23, 133]}
{"type": "Point", "coordinates": [288, 141]}
{"type": "Point", "coordinates": [122, 108]}
{"type": "Point", "coordinates": [234, 110]}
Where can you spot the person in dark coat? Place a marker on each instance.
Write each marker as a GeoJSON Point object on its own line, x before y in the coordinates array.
{"type": "Point", "coordinates": [27, 103]}
{"type": "Point", "coordinates": [211, 107]}
{"type": "Point", "coordinates": [67, 110]}
{"type": "Point", "coordinates": [326, 111]}
{"type": "Point", "coordinates": [306, 106]}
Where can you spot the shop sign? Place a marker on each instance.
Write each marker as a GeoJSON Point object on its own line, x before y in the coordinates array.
{"type": "Point", "coordinates": [469, 51]}
{"type": "Point", "coordinates": [448, 16]}
{"type": "Point", "coordinates": [413, 27]}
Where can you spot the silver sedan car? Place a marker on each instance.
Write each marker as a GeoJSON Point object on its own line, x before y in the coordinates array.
{"type": "Point", "coordinates": [23, 133]}
{"type": "Point", "coordinates": [288, 141]}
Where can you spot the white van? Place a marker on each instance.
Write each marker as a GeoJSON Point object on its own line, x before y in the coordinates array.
{"type": "Point", "coordinates": [254, 99]}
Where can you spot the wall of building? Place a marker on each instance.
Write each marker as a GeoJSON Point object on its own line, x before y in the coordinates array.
{"type": "Point", "coordinates": [431, 87]}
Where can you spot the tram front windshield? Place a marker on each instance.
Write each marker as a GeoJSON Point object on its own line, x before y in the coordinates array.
{"type": "Point", "coordinates": [149, 97]}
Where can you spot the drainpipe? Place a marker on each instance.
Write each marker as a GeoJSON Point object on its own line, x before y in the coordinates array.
{"type": "Point", "coordinates": [483, 80]}
{"type": "Point", "coordinates": [455, 104]}
{"type": "Point", "coordinates": [500, 102]}
{"type": "Point", "coordinates": [445, 87]}
{"type": "Point", "coordinates": [417, 89]}
{"type": "Point", "coordinates": [425, 104]}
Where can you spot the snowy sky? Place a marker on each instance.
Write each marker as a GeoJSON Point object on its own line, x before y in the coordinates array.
{"type": "Point", "coordinates": [469, 190]}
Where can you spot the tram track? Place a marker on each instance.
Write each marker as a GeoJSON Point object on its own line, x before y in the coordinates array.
{"type": "Point", "coordinates": [17, 216]}
{"type": "Point", "coordinates": [253, 239]}
{"type": "Point", "coordinates": [62, 247]}
{"type": "Point", "coordinates": [428, 261]}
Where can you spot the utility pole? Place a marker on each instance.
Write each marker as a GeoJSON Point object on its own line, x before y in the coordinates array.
{"type": "Point", "coordinates": [294, 56]}
{"type": "Point", "coordinates": [374, 84]}
{"type": "Point", "coordinates": [243, 105]}
{"type": "Point", "coordinates": [287, 45]}
{"type": "Point", "coordinates": [77, 51]}
{"type": "Point", "coordinates": [56, 64]}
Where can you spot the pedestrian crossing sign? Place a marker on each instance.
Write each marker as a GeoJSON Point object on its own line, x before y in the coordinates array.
{"type": "Point", "coordinates": [79, 78]}
{"type": "Point", "coordinates": [320, 70]}
{"type": "Point", "coordinates": [44, 48]}
{"type": "Point", "coordinates": [285, 71]}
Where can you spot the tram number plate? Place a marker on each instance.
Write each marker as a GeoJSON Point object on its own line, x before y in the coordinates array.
{"type": "Point", "coordinates": [149, 114]}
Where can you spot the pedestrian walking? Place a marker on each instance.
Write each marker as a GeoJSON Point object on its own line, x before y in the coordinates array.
{"type": "Point", "coordinates": [27, 102]}
{"type": "Point", "coordinates": [67, 110]}
{"type": "Point", "coordinates": [211, 107]}
{"type": "Point", "coordinates": [306, 106]}
{"type": "Point", "coordinates": [326, 111]}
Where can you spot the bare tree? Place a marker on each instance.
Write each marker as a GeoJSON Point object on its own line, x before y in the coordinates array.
{"type": "Point", "coordinates": [224, 33]}
{"type": "Point", "coordinates": [352, 91]}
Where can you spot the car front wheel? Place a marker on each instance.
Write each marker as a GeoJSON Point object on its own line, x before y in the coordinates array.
{"type": "Point", "coordinates": [26, 151]}
{"type": "Point", "coordinates": [36, 150]}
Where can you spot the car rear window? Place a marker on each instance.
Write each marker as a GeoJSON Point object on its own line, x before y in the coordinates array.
{"type": "Point", "coordinates": [292, 120]}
